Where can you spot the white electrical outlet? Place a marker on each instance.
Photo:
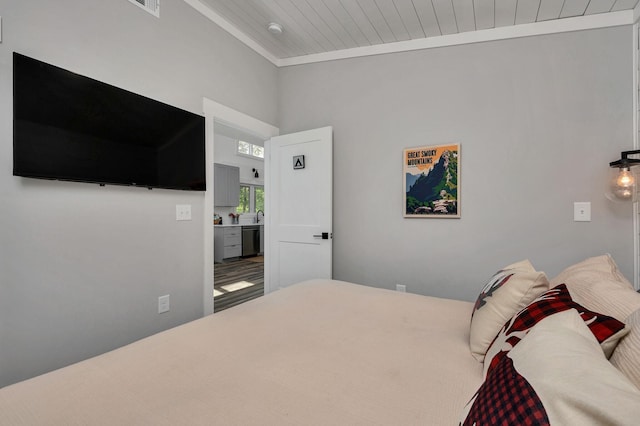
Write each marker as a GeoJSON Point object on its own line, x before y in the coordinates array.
{"type": "Point", "coordinates": [163, 304]}
{"type": "Point", "coordinates": [401, 288]}
{"type": "Point", "coordinates": [183, 211]}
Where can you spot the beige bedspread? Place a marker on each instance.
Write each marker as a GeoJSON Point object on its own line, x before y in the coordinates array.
{"type": "Point", "coordinates": [321, 352]}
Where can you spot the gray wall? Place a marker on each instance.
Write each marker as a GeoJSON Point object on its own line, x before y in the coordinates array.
{"type": "Point", "coordinates": [81, 267]}
{"type": "Point", "coordinates": [538, 120]}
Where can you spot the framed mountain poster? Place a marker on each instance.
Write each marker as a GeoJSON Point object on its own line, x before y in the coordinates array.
{"type": "Point", "coordinates": [432, 181]}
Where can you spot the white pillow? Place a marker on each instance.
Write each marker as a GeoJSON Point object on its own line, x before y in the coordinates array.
{"type": "Point", "coordinates": [626, 356]}
{"type": "Point", "coordinates": [507, 292]}
{"type": "Point", "coordinates": [597, 267]}
{"type": "Point", "coordinates": [597, 284]}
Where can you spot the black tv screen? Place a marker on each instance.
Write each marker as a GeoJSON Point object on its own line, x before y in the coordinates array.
{"type": "Point", "coordinates": [70, 127]}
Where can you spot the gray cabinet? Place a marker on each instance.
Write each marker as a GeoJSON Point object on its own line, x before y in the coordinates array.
{"type": "Point", "coordinates": [227, 242]}
{"type": "Point", "coordinates": [226, 185]}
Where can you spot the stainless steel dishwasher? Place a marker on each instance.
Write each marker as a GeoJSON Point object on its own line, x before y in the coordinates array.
{"type": "Point", "coordinates": [250, 240]}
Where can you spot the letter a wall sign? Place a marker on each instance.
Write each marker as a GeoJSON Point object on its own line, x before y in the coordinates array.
{"type": "Point", "coordinates": [298, 162]}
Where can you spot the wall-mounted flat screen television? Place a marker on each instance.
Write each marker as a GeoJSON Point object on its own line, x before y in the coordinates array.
{"type": "Point", "coordinates": [71, 127]}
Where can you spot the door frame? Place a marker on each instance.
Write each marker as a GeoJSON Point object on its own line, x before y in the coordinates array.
{"type": "Point", "coordinates": [214, 111]}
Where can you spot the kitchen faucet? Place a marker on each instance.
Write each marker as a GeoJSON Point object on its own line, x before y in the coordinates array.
{"type": "Point", "coordinates": [258, 217]}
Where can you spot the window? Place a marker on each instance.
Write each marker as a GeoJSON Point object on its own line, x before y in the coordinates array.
{"type": "Point", "coordinates": [259, 198]}
{"type": "Point", "coordinates": [251, 199]}
{"type": "Point", "coordinates": [257, 151]}
{"type": "Point", "coordinates": [251, 150]}
{"type": "Point", "coordinates": [244, 205]}
{"type": "Point", "coordinates": [244, 148]}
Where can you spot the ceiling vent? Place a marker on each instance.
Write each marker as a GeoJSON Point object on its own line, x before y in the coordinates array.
{"type": "Point", "coordinates": [151, 6]}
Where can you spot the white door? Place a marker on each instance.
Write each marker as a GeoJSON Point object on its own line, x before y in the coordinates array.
{"type": "Point", "coordinates": [299, 207]}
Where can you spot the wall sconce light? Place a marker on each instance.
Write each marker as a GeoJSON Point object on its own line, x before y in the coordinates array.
{"type": "Point", "coordinates": [257, 175]}
{"type": "Point", "coordinates": [623, 180]}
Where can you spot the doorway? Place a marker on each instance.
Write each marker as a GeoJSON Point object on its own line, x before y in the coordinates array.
{"type": "Point", "coordinates": [239, 216]}
{"type": "Point", "coordinates": [275, 264]}
{"type": "Point", "coordinates": [216, 116]}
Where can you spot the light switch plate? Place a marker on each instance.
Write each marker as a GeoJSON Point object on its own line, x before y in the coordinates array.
{"type": "Point", "coordinates": [183, 211]}
{"type": "Point", "coordinates": [164, 304]}
{"type": "Point", "coordinates": [582, 212]}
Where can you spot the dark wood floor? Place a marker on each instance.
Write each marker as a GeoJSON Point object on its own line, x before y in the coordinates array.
{"type": "Point", "coordinates": [248, 270]}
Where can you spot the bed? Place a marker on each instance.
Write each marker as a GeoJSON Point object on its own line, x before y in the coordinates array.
{"type": "Point", "coordinates": [321, 352]}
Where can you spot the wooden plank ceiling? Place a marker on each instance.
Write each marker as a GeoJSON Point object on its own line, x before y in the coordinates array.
{"type": "Point", "coordinates": [319, 26]}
